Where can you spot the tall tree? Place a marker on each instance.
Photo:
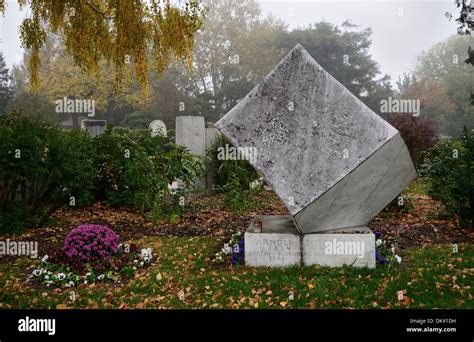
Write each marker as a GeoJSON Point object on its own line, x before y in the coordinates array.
{"type": "Point", "coordinates": [445, 69]}
{"type": "Point", "coordinates": [5, 85]}
{"type": "Point", "coordinates": [168, 98]}
{"type": "Point", "coordinates": [118, 31]}
{"type": "Point", "coordinates": [34, 105]}
{"type": "Point", "coordinates": [465, 23]}
{"type": "Point", "coordinates": [344, 52]}
{"type": "Point", "coordinates": [61, 77]}
{"type": "Point", "coordinates": [436, 106]}
{"type": "Point", "coordinates": [234, 50]}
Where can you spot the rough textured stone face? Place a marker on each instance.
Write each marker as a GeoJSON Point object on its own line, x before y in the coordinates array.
{"type": "Point", "coordinates": [311, 134]}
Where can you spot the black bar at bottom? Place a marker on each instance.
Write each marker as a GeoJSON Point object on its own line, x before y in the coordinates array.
{"type": "Point", "coordinates": [315, 325]}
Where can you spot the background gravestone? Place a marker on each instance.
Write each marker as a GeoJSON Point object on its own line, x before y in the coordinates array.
{"type": "Point", "coordinates": [191, 133]}
{"type": "Point", "coordinates": [72, 120]}
{"type": "Point", "coordinates": [94, 127]}
{"type": "Point", "coordinates": [158, 127]}
{"type": "Point", "coordinates": [212, 134]}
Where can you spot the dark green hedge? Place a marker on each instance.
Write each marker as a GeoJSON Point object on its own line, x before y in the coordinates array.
{"type": "Point", "coordinates": [43, 167]}
{"type": "Point", "coordinates": [449, 170]}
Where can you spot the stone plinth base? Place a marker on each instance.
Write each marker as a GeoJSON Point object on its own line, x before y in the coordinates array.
{"type": "Point", "coordinates": [276, 244]}
{"type": "Point", "coordinates": [354, 246]}
{"type": "Point", "coordinates": [274, 241]}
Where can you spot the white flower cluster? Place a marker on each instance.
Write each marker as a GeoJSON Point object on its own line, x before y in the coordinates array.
{"type": "Point", "coordinates": [226, 250]}
{"type": "Point", "coordinates": [146, 256]}
{"type": "Point", "coordinates": [382, 249]}
{"type": "Point", "coordinates": [50, 277]}
{"type": "Point", "coordinates": [59, 275]}
{"type": "Point", "coordinates": [395, 256]}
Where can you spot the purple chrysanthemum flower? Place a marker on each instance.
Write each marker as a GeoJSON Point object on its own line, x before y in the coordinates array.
{"type": "Point", "coordinates": [85, 241]}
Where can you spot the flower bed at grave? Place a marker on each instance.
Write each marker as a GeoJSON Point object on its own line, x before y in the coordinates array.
{"type": "Point", "coordinates": [232, 251]}
{"type": "Point", "coordinates": [384, 254]}
{"type": "Point", "coordinates": [91, 253]}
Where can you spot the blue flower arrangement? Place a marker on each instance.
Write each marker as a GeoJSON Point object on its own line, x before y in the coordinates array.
{"type": "Point", "coordinates": [238, 253]}
{"type": "Point", "coordinates": [384, 255]}
{"type": "Point", "coordinates": [232, 250]}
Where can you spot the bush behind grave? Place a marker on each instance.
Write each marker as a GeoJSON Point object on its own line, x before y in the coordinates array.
{"type": "Point", "coordinates": [449, 171]}
{"type": "Point", "coordinates": [228, 171]}
{"type": "Point", "coordinates": [43, 167]}
{"type": "Point", "coordinates": [135, 168]}
{"type": "Point", "coordinates": [234, 178]}
{"type": "Point", "coordinates": [418, 133]}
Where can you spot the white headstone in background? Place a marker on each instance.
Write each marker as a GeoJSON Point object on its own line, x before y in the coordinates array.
{"type": "Point", "coordinates": [158, 127]}
{"type": "Point", "coordinates": [211, 134]}
{"type": "Point", "coordinates": [191, 133]}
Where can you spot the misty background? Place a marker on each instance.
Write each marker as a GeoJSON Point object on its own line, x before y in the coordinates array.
{"type": "Point", "coordinates": [422, 24]}
{"type": "Point", "coordinates": [377, 49]}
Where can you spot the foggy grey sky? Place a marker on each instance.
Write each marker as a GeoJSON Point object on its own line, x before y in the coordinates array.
{"type": "Point", "coordinates": [396, 40]}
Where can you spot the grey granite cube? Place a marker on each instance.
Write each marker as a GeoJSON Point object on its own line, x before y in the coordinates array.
{"type": "Point", "coordinates": [332, 161]}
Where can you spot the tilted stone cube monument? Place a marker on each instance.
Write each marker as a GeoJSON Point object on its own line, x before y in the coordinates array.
{"type": "Point", "coordinates": [333, 162]}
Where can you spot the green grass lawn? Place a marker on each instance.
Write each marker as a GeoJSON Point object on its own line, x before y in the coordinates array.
{"type": "Point", "coordinates": [184, 277]}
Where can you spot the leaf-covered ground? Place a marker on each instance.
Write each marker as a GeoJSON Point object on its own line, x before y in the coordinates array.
{"type": "Point", "coordinates": [207, 216]}
{"type": "Point", "coordinates": [184, 277]}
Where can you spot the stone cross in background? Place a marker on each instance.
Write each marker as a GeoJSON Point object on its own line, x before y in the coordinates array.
{"type": "Point", "coordinates": [333, 162]}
